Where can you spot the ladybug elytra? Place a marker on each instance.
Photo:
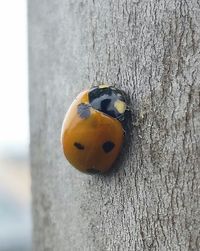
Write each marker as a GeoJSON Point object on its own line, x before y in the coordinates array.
{"type": "Point", "coordinates": [92, 131]}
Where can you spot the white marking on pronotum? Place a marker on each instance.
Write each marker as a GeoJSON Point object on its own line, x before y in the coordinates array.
{"type": "Point", "coordinates": [120, 106]}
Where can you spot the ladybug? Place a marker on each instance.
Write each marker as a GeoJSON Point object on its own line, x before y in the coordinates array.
{"type": "Point", "coordinates": [92, 131]}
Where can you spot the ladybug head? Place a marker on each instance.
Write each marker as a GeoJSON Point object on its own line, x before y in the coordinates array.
{"type": "Point", "coordinates": [108, 100]}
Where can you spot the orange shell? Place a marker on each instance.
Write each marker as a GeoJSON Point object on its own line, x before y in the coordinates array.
{"type": "Point", "coordinates": [92, 133]}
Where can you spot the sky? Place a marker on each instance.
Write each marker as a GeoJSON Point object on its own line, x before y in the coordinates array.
{"type": "Point", "coordinates": [15, 213]}
{"type": "Point", "coordinates": [14, 123]}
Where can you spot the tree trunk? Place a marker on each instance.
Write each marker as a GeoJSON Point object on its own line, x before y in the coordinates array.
{"type": "Point", "coordinates": [151, 50]}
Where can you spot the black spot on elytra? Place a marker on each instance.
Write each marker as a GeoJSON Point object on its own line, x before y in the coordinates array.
{"type": "Point", "coordinates": [92, 171]}
{"type": "Point", "coordinates": [83, 110]}
{"type": "Point", "coordinates": [79, 146]}
{"type": "Point", "coordinates": [108, 146]}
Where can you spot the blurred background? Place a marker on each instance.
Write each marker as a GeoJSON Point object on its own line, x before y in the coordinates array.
{"type": "Point", "coordinates": [15, 196]}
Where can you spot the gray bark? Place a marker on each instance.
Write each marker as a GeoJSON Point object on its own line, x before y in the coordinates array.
{"type": "Point", "coordinates": [151, 50]}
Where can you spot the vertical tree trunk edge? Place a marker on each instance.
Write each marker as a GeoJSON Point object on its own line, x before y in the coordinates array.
{"type": "Point", "coordinates": [151, 50]}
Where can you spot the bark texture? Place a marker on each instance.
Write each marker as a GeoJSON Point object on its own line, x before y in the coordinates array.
{"type": "Point", "coordinates": [151, 49]}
